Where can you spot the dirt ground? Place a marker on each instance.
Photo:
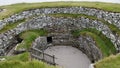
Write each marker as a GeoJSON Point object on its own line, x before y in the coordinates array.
{"type": "Point", "coordinates": [69, 57]}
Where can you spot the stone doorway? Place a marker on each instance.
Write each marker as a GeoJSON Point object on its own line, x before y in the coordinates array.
{"type": "Point", "coordinates": [49, 39]}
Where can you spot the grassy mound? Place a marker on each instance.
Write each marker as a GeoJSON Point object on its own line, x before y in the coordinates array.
{"type": "Point", "coordinates": [28, 64]}
{"type": "Point", "coordinates": [21, 57]}
{"type": "Point", "coordinates": [109, 62]}
{"type": "Point", "coordinates": [23, 61]}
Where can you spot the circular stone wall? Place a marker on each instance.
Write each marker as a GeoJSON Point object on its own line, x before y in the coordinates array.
{"type": "Point", "coordinates": [68, 57]}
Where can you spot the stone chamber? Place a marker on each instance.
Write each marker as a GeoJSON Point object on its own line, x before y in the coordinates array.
{"type": "Point", "coordinates": [59, 31]}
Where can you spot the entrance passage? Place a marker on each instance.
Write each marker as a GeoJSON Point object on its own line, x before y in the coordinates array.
{"type": "Point", "coordinates": [68, 57]}
{"type": "Point", "coordinates": [49, 39]}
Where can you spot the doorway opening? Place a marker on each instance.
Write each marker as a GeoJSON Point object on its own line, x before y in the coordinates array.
{"type": "Point", "coordinates": [49, 39]}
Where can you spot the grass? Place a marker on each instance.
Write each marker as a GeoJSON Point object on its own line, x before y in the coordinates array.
{"type": "Point", "coordinates": [23, 61]}
{"type": "Point", "coordinates": [21, 57]}
{"type": "Point", "coordinates": [28, 64]}
{"type": "Point", "coordinates": [12, 9]}
{"type": "Point", "coordinates": [103, 43]}
{"type": "Point", "coordinates": [109, 62]}
{"type": "Point", "coordinates": [29, 36]}
{"type": "Point", "coordinates": [11, 26]}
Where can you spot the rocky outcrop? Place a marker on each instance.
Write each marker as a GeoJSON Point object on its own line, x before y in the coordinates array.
{"type": "Point", "coordinates": [111, 17]}
{"type": "Point", "coordinates": [61, 24]}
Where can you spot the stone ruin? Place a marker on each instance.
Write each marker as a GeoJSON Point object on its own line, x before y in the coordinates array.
{"type": "Point", "coordinates": [110, 17]}
{"type": "Point", "coordinates": [63, 25]}
{"type": "Point", "coordinates": [84, 43]}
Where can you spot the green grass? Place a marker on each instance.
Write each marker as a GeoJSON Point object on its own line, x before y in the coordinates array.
{"type": "Point", "coordinates": [103, 43]}
{"type": "Point", "coordinates": [28, 64]}
{"type": "Point", "coordinates": [29, 36]}
{"type": "Point", "coordinates": [21, 57]}
{"type": "Point", "coordinates": [23, 61]}
{"type": "Point", "coordinates": [11, 26]}
{"type": "Point", "coordinates": [109, 62]}
{"type": "Point", "coordinates": [12, 9]}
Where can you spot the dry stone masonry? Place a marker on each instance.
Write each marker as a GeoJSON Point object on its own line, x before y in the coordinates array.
{"type": "Point", "coordinates": [88, 46]}
{"type": "Point", "coordinates": [61, 24]}
{"type": "Point", "coordinates": [37, 50]}
{"type": "Point", "coordinates": [84, 43]}
{"type": "Point", "coordinates": [112, 18]}
{"type": "Point", "coordinates": [57, 24]}
{"type": "Point", "coordinates": [40, 43]}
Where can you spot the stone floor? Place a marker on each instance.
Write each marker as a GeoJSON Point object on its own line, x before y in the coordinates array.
{"type": "Point", "coordinates": [69, 57]}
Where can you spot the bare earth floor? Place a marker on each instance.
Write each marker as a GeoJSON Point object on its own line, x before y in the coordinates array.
{"type": "Point", "coordinates": [69, 57]}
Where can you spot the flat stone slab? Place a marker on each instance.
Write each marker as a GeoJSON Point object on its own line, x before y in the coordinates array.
{"type": "Point", "coordinates": [69, 57]}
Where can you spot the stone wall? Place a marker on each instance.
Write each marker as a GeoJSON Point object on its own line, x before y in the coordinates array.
{"type": "Point", "coordinates": [84, 43]}
{"type": "Point", "coordinates": [59, 24]}
{"type": "Point", "coordinates": [37, 51]}
{"type": "Point", "coordinates": [40, 43]}
{"type": "Point", "coordinates": [88, 46]}
{"type": "Point", "coordinates": [111, 17]}
{"type": "Point", "coordinates": [7, 41]}
{"type": "Point", "coordinates": [61, 38]}
{"type": "Point", "coordinates": [67, 24]}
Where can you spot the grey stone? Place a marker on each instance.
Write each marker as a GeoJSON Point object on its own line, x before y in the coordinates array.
{"type": "Point", "coordinates": [59, 25]}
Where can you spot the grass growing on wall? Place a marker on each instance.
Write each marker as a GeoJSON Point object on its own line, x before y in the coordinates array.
{"type": "Point", "coordinates": [15, 8]}
{"type": "Point", "coordinates": [29, 36]}
{"type": "Point", "coordinates": [103, 43]}
{"type": "Point", "coordinates": [112, 27]}
{"type": "Point", "coordinates": [11, 26]}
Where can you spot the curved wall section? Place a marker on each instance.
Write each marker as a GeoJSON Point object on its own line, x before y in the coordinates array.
{"type": "Point", "coordinates": [59, 24]}
{"type": "Point", "coordinates": [111, 17]}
